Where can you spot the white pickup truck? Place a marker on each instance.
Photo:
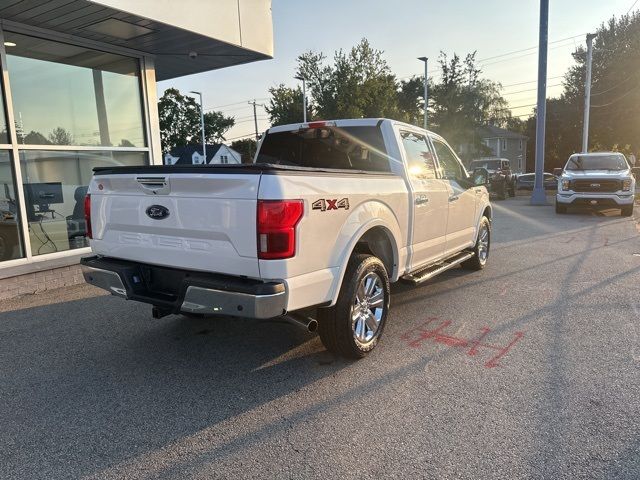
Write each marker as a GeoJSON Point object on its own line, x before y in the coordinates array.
{"type": "Point", "coordinates": [315, 230]}
{"type": "Point", "coordinates": [596, 179]}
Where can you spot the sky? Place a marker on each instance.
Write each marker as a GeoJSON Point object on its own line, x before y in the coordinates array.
{"type": "Point", "coordinates": [405, 30]}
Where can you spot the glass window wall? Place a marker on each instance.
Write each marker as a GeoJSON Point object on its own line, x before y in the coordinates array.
{"type": "Point", "coordinates": [10, 241]}
{"type": "Point", "coordinates": [55, 184]}
{"type": "Point", "coordinates": [69, 95]}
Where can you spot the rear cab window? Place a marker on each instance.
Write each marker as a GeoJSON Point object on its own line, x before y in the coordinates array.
{"type": "Point", "coordinates": [345, 148]}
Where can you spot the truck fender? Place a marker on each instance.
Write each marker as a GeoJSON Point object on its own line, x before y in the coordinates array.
{"type": "Point", "coordinates": [484, 210]}
{"type": "Point", "coordinates": [363, 219]}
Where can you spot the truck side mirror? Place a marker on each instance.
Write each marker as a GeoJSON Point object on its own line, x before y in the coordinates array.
{"type": "Point", "coordinates": [480, 176]}
{"type": "Point", "coordinates": [557, 171]}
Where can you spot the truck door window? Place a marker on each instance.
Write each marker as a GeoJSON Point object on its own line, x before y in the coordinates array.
{"type": "Point", "coordinates": [419, 157]}
{"type": "Point", "coordinates": [451, 167]}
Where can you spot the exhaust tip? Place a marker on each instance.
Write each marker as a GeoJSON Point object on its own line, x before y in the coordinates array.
{"type": "Point", "coordinates": [313, 326]}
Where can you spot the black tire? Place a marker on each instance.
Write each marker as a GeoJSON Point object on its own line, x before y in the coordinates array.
{"type": "Point", "coordinates": [560, 209]}
{"type": "Point", "coordinates": [479, 261]}
{"type": "Point", "coordinates": [512, 189]}
{"type": "Point", "coordinates": [502, 191]}
{"type": "Point", "coordinates": [626, 211]}
{"type": "Point", "coordinates": [336, 325]}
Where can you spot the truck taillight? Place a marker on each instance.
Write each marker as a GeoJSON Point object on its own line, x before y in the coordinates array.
{"type": "Point", "coordinates": [277, 220]}
{"type": "Point", "coordinates": [87, 214]}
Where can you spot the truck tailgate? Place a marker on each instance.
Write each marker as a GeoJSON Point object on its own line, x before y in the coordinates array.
{"type": "Point", "coordinates": [194, 221]}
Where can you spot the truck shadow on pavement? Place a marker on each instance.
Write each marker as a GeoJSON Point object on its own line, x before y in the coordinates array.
{"type": "Point", "coordinates": [96, 388]}
{"type": "Point", "coordinates": [88, 384]}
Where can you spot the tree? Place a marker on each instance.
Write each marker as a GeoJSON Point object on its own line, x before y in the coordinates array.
{"type": "Point", "coordinates": [615, 97]}
{"type": "Point", "coordinates": [59, 136]}
{"type": "Point", "coordinates": [180, 121]}
{"type": "Point", "coordinates": [285, 105]}
{"type": "Point", "coordinates": [215, 126]}
{"type": "Point", "coordinates": [358, 83]}
{"type": "Point", "coordinates": [463, 101]}
{"type": "Point", "coordinates": [411, 100]}
{"type": "Point", "coordinates": [34, 138]}
{"type": "Point", "coordinates": [246, 148]}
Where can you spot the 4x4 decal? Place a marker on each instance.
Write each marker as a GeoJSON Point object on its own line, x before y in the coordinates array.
{"type": "Point", "coordinates": [330, 204]}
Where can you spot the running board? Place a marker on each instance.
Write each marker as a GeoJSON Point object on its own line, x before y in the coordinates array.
{"type": "Point", "coordinates": [430, 272]}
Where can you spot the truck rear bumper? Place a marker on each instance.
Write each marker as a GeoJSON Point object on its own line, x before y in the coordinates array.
{"type": "Point", "coordinates": [175, 291]}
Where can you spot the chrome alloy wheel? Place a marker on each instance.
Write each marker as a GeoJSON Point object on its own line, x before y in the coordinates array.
{"type": "Point", "coordinates": [483, 243]}
{"type": "Point", "coordinates": [368, 309]}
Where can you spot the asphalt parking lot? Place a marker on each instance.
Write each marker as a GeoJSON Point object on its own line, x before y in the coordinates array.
{"type": "Point", "coordinates": [529, 369]}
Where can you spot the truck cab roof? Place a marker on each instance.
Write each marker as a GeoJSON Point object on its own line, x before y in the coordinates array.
{"type": "Point", "coordinates": [347, 122]}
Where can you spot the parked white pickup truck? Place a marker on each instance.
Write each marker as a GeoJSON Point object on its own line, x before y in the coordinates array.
{"type": "Point", "coordinates": [596, 179]}
{"type": "Point", "coordinates": [328, 215]}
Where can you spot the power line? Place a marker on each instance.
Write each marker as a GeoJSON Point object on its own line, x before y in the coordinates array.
{"type": "Point", "coordinates": [508, 54]}
{"type": "Point", "coordinates": [532, 81]}
{"type": "Point", "coordinates": [617, 99]}
{"type": "Point", "coordinates": [251, 120]}
{"type": "Point", "coordinates": [239, 137]}
{"type": "Point", "coordinates": [530, 89]}
{"type": "Point", "coordinates": [530, 48]}
{"type": "Point", "coordinates": [235, 103]}
{"type": "Point", "coordinates": [615, 86]}
{"type": "Point", "coordinates": [633, 5]}
{"type": "Point", "coordinates": [522, 56]}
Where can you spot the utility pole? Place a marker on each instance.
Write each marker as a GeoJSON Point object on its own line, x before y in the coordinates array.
{"type": "Point", "coordinates": [587, 94]}
{"type": "Point", "coordinates": [204, 144]}
{"type": "Point", "coordinates": [255, 116]}
{"type": "Point", "coordinates": [426, 89]}
{"type": "Point", "coordinates": [304, 98]}
{"type": "Point", "coordinates": [538, 196]}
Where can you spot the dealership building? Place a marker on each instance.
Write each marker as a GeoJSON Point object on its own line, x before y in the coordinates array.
{"type": "Point", "coordinates": [79, 91]}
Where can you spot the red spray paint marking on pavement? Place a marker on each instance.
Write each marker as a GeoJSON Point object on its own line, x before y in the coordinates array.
{"type": "Point", "coordinates": [419, 335]}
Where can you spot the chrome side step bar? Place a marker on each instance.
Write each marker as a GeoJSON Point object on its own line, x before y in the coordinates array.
{"type": "Point", "coordinates": [425, 274]}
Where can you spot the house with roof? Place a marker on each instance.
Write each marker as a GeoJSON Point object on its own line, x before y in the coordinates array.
{"type": "Point", "coordinates": [506, 144]}
{"type": "Point", "coordinates": [192, 155]}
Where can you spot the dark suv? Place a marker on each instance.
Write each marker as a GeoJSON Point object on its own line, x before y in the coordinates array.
{"type": "Point", "coordinates": [502, 181]}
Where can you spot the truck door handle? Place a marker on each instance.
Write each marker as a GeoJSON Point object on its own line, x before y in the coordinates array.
{"type": "Point", "coordinates": [421, 199]}
{"type": "Point", "coordinates": [454, 198]}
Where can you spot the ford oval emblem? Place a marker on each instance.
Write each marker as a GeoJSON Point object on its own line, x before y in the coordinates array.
{"type": "Point", "coordinates": [157, 212]}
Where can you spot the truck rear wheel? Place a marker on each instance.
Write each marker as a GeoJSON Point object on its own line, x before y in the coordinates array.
{"type": "Point", "coordinates": [353, 326]}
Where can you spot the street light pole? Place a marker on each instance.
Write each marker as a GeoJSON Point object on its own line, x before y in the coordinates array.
{"type": "Point", "coordinates": [304, 98]}
{"type": "Point", "coordinates": [426, 89]}
{"type": "Point", "coordinates": [204, 145]}
{"type": "Point", "coordinates": [538, 196]}
{"type": "Point", "coordinates": [587, 94]}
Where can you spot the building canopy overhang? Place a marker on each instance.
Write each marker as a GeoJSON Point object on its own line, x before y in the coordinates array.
{"type": "Point", "coordinates": [183, 36]}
